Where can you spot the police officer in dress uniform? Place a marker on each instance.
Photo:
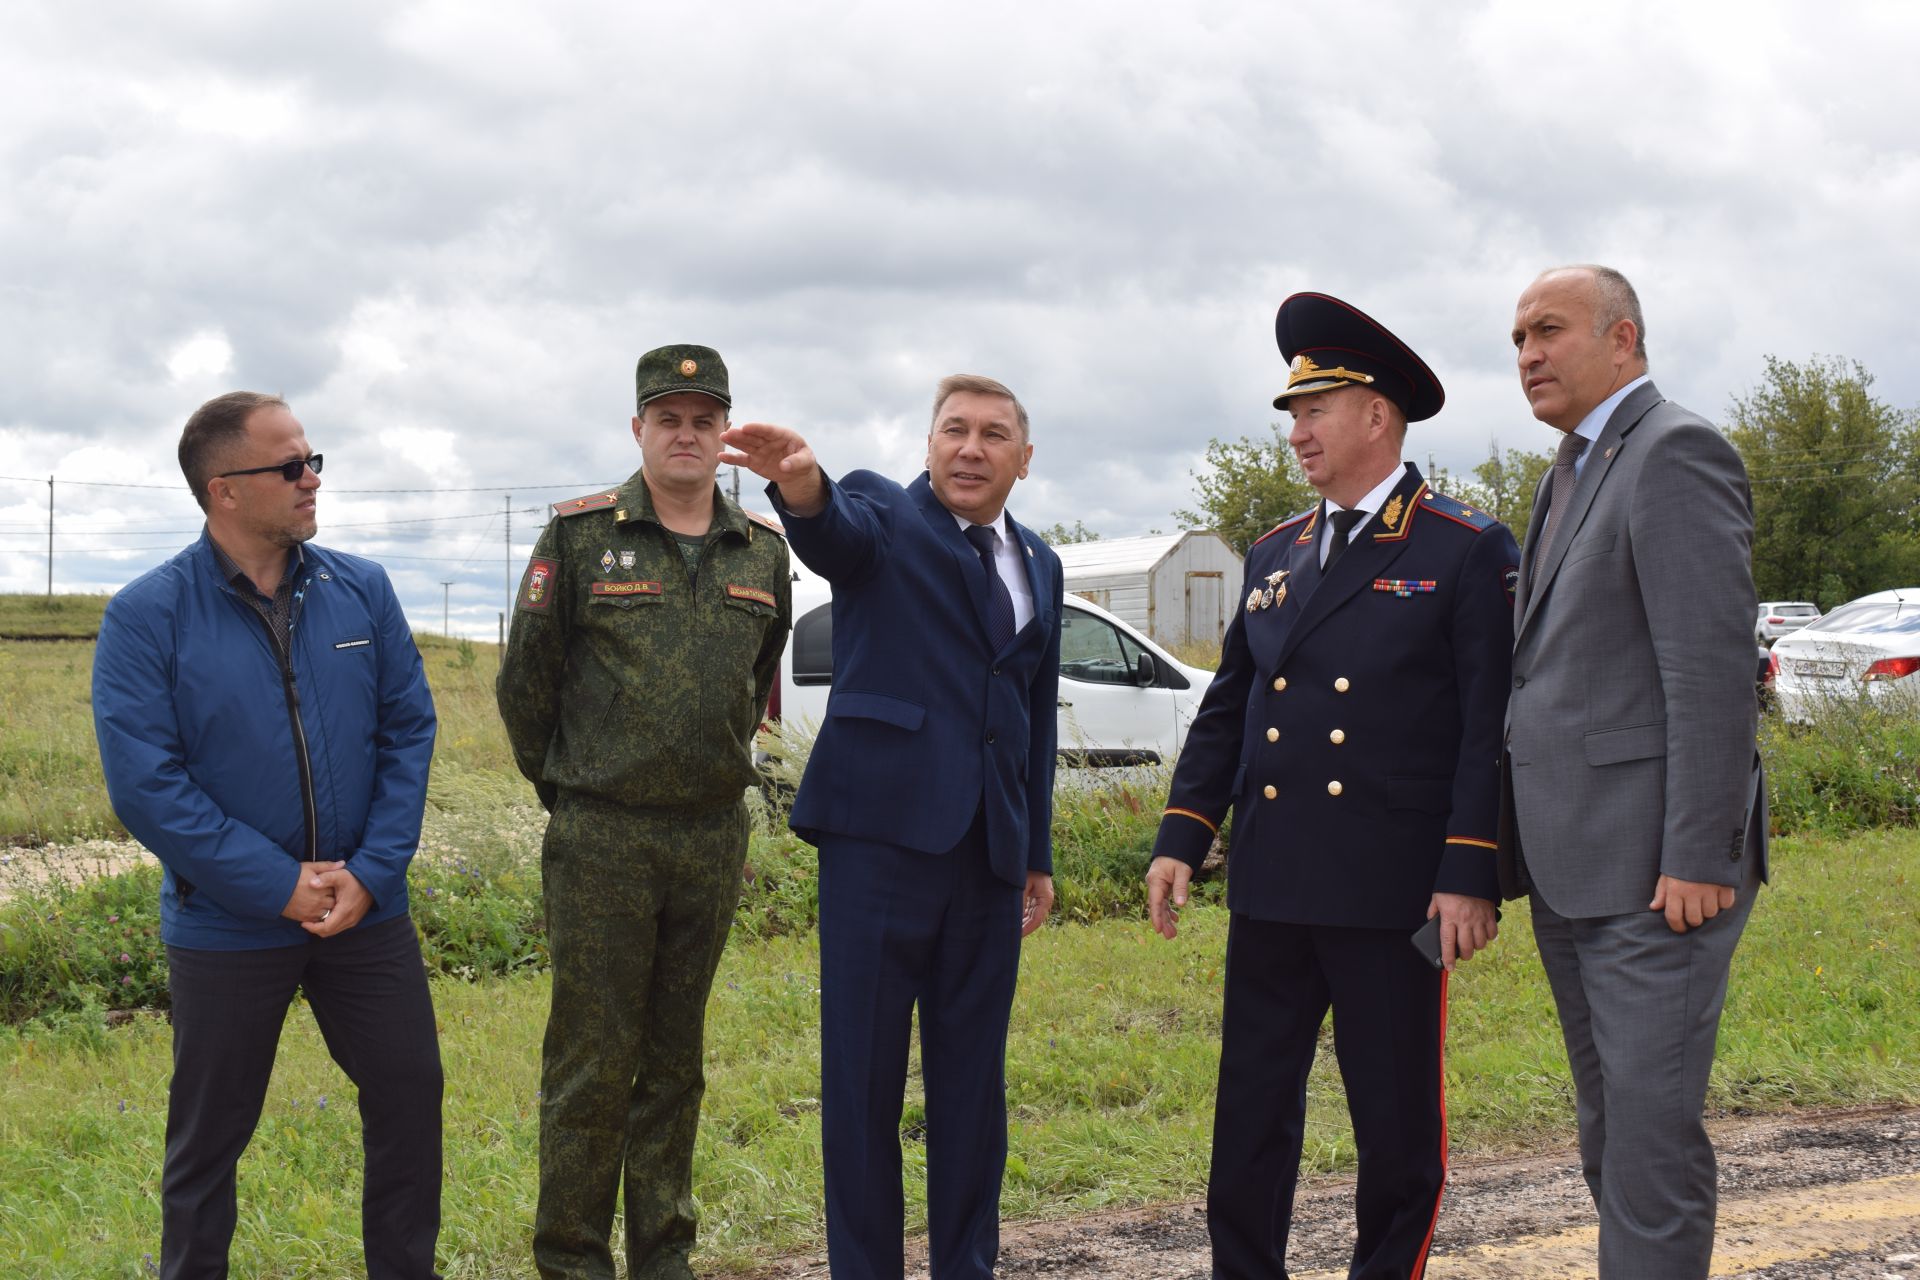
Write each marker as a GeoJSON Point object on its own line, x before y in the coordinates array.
{"type": "Point", "coordinates": [646, 636]}
{"type": "Point", "coordinates": [1354, 728]}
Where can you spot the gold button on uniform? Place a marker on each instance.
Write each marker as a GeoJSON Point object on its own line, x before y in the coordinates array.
{"type": "Point", "coordinates": [1337, 737]}
{"type": "Point", "coordinates": [1334, 788]}
{"type": "Point", "coordinates": [1273, 735]}
{"type": "Point", "coordinates": [1341, 685]}
{"type": "Point", "coordinates": [1272, 793]}
{"type": "Point", "coordinates": [1279, 684]}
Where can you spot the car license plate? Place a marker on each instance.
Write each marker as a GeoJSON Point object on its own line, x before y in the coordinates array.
{"type": "Point", "coordinates": [1825, 670]}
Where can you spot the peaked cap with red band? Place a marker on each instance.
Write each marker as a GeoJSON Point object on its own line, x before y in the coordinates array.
{"type": "Point", "coordinates": [1330, 344]}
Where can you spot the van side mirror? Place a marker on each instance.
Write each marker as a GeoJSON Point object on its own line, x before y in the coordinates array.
{"type": "Point", "coordinates": [1145, 673]}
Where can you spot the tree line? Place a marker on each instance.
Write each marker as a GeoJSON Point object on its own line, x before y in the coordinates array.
{"type": "Point", "coordinates": [1835, 473]}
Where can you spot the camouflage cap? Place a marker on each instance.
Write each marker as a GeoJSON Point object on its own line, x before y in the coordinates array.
{"type": "Point", "coordinates": [683, 367]}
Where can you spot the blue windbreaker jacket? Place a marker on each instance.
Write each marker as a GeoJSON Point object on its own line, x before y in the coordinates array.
{"type": "Point", "coordinates": [199, 749]}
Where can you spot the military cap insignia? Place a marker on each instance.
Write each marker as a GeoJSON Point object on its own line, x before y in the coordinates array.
{"type": "Point", "coordinates": [606, 560]}
{"type": "Point", "coordinates": [1391, 516]}
{"type": "Point", "coordinates": [688, 368]}
{"type": "Point", "coordinates": [536, 589]}
{"type": "Point", "coordinates": [627, 559]}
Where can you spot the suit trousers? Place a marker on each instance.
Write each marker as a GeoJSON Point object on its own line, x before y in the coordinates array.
{"type": "Point", "coordinates": [900, 929]}
{"type": "Point", "coordinates": [1640, 1010]}
{"type": "Point", "coordinates": [638, 907]}
{"type": "Point", "coordinates": [368, 991]}
{"type": "Point", "coordinates": [1389, 1036]}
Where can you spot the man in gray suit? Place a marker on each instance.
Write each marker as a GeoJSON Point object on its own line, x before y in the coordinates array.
{"type": "Point", "coordinates": [1636, 812]}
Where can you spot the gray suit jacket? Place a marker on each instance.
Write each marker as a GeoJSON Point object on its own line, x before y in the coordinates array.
{"type": "Point", "coordinates": [1630, 730]}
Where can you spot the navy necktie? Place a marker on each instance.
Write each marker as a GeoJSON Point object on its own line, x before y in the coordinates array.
{"type": "Point", "coordinates": [999, 599]}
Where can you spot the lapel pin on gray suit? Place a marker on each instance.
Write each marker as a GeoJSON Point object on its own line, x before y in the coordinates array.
{"type": "Point", "coordinates": [1635, 813]}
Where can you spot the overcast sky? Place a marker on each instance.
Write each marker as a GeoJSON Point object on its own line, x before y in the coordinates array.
{"type": "Point", "coordinates": [445, 230]}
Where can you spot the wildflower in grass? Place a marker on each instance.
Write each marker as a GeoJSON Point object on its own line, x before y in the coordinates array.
{"type": "Point", "coordinates": [125, 958]}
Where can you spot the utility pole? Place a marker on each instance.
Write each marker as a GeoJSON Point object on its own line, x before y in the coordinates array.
{"type": "Point", "coordinates": [50, 537]}
{"type": "Point", "coordinates": [506, 559]}
{"type": "Point", "coordinates": [446, 590]}
{"type": "Point", "coordinates": [736, 486]}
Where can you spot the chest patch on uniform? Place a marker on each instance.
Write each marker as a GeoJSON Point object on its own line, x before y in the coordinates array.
{"type": "Point", "coordinates": [625, 588]}
{"type": "Point", "coordinates": [1404, 587]}
{"type": "Point", "coordinates": [359, 643]}
{"type": "Point", "coordinates": [536, 589]}
{"type": "Point", "coordinates": [752, 593]}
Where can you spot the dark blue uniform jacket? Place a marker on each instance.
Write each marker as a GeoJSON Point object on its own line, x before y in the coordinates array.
{"type": "Point", "coordinates": [1354, 724]}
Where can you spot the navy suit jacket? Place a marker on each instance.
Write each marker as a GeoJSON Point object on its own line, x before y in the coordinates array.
{"type": "Point", "coordinates": [926, 724]}
{"type": "Point", "coordinates": [1354, 723]}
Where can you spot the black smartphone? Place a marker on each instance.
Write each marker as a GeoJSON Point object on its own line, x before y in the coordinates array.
{"type": "Point", "coordinates": [1427, 942]}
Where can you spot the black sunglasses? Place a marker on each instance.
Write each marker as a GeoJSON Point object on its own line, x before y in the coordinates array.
{"type": "Point", "coordinates": [289, 471]}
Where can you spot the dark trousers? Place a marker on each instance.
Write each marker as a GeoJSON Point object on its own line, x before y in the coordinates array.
{"type": "Point", "coordinates": [1389, 1035]}
{"type": "Point", "coordinates": [900, 928]}
{"type": "Point", "coordinates": [368, 991]}
{"type": "Point", "coordinates": [638, 906]}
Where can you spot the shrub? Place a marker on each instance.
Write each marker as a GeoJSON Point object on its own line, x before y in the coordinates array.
{"type": "Point", "coordinates": [1855, 767]}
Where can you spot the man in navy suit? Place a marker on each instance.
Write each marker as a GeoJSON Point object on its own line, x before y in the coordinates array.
{"type": "Point", "coordinates": [1354, 728]}
{"type": "Point", "coordinates": [930, 795]}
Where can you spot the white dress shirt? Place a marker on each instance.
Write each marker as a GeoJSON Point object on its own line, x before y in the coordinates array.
{"type": "Point", "coordinates": [1376, 498]}
{"type": "Point", "coordinates": [1009, 557]}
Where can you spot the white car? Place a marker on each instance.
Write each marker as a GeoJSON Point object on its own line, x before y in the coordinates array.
{"type": "Point", "coordinates": [1782, 617]}
{"type": "Point", "coordinates": [1866, 650]}
{"type": "Point", "coordinates": [1123, 699]}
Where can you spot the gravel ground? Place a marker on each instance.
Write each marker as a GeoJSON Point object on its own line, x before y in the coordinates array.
{"type": "Point", "coordinates": [1834, 1195]}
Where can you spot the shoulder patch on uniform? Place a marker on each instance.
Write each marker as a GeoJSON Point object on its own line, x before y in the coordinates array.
{"type": "Point", "coordinates": [765, 522]}
{"type": "Point", "coordinates": [1288, 523]}
{"type": "Point", "coordinates": [591, 502]}
{"type": "Point", "coordinates": [536, 587]}
{"type": "Point", "coordinates": [1457, 511]}
{"type": "Point", "coordinates": [1510, 578]}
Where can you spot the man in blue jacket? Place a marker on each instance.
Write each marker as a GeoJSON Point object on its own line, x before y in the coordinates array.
{"type": "Point", "coordinates": [929, 792]}
{"type": "Point", "coordinates": [265, 729]}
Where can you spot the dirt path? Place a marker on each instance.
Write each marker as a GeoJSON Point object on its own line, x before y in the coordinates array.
{"type": "Point", "coordinates": [1831, 1195]}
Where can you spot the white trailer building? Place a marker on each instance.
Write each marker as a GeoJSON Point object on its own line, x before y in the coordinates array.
{"type": "Point", "coordinates": [1176, 587]}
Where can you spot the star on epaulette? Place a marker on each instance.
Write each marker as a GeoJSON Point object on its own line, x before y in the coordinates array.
{"type": "Point", "coordinates": [765, 522]}
{"type": "Point", "coordinates": [1459, 512]}
{"type": "Point", "coordinates": [591, 502]}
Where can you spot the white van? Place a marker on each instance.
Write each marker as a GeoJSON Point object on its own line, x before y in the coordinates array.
{"type": "Point", "coordinates": [1123, 699]}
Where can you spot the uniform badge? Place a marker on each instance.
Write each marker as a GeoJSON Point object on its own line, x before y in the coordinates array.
{"type": "Point", "coordinates": [1253, 599]}
{"type": "Point", "coordinates": [606, 560]}
{"type": "Point", "coordinates": [626, 559]}
{"type": "Point", "coordinates": [688, 368]}
{"type": "Point", "coordinates": [1280, 594]}
{"type": "Point", "coordinates": [1276, 592]}
{"type": "Point", "coordinates": [1266, 598]}
{"type": "Point", "coordinates": [536, 591]}
{"type": "Point", "coordinates": [1511, 576]}
{"type": "Point", "coordinates": [1391, 516]}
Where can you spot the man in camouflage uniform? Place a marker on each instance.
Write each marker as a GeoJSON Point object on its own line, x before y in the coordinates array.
{"type": "Point", "coordinates": [646, 636]}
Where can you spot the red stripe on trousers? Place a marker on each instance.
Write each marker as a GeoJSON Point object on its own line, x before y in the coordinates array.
{"type": "Point", "coordinates": [1420, 1259]}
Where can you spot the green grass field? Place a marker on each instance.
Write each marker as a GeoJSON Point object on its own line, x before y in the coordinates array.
{"type": "Point", "coordinates": [1111, 1058]}
{"type": "Point", "coordinates": [1110, 1079]}
{"type": "Point", "coordinates": [74, 616]}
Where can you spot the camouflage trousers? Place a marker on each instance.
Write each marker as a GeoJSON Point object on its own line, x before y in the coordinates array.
{"type": "Point", "coordinates": [638, 904]}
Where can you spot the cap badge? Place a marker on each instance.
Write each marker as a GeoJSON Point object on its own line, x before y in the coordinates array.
{"type": "Point", "coordinates": [1303, 369]}
{"type": "Point", "coordinates": [606, 560]}
{"type": "Point", "coordinates": [688, 368]}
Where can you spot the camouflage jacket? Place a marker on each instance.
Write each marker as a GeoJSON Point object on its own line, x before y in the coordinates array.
{"type": "Point", "coordinates": [627, 678]}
